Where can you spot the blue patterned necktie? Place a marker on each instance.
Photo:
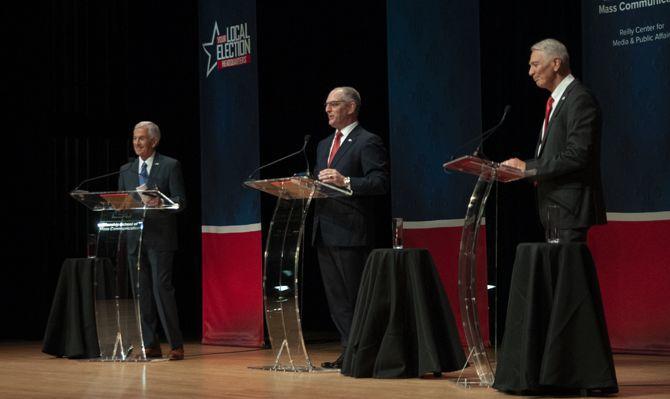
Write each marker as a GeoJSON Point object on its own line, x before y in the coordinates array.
{"type": "Point", "coordinates": [144, 176]}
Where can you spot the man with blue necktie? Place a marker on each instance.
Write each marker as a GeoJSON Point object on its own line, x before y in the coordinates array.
{"type": "Point", "coordinates": [152, 170]}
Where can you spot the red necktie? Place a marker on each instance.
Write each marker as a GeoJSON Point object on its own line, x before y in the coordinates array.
{"type": "Point", "coordinates": [547, 112]}
{"type": "Point", "coordinates": [336, 146]}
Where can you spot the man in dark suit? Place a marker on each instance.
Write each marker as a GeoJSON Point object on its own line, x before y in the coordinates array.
{"type": "Point", "coordinates": [343, 232]}
{"type": "Point", "coordinates": [567, 155]}
{"type": "Point", "coordinates": [152, 170]}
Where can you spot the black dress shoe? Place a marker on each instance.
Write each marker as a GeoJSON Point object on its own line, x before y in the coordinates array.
{"type": "Point", "coordinates": [337, 364]}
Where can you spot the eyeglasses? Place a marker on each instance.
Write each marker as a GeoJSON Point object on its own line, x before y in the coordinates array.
{"type": "Point", "coordinates": [334, 103]}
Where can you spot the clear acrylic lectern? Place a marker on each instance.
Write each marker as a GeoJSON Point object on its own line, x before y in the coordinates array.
{"type": "Point", "coordinates": [488, 172]}
{"type": "Point", "coordinates": [116, 288]}
{"type": "Point", "coordinates": [281, 266]}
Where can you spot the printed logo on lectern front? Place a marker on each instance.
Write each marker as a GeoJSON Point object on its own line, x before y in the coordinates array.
{"type": "Point", "coordinates": [232, 48]}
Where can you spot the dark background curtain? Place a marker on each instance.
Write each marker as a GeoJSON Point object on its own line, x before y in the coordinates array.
{"type": "Point", "coordinates": [83, 73]}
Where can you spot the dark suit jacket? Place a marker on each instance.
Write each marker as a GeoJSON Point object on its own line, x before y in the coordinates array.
{"type": "Point", "coordinates": [349, 221]}
{"type": "Point", "coordinates": [568, 168]}
{"type": "Point", "coordinates": [160, 227]}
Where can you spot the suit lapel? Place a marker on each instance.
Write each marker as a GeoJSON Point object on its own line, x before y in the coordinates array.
{"type": "Point", "coordinates": [554, 116]}
{"type": "Point", "coordinates": [155, 172]}
{"type": "Point", "coordinates": [134, 174]}
{"type": "Point", "coordinates": [559, 106]}
{"type": "Point", "coordinates": [346, 145]}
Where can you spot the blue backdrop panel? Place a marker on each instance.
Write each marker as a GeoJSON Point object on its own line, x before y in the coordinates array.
{"type": "Point", "coordinates": [228, 111]}
{"type": "Point", "coordinates": [434, 95]}
{"type": "Point", "coordinates": [434, 107]}
{"type": "Point", "coordinates": [232, 298]}
{"type": "Point", "coordinates": [626, 63]}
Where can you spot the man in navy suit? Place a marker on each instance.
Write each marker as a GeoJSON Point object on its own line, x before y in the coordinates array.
{"type": "Point", "coordinates": [567, 155]}
{"type": "Point", "coordinates": [152, 170]}
{"type": "Point", "coordinates": [343, 231]}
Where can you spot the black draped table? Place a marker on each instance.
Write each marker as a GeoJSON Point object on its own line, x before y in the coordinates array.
{"type": "Point", "coordinates": [71, 330]}
{"type": "Point", "coordinates": [403, 325]}
{"type": "Point", "coordinates": [555, 338]}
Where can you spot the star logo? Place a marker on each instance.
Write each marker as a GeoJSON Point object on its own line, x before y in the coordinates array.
{"type": "Point", "coordinates": [211, 64]}
{"type": "Point", "coordinates": [230, 49]}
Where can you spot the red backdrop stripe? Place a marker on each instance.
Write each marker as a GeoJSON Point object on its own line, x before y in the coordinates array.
{"type": "Point", "coordinates": [232, 298]}
{"type": "Point", "coordinates": [633, 263]}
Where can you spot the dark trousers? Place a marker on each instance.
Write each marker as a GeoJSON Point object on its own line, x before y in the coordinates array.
{"type": "Point", "coordinates": [341, 270]}
{"type": "Point", "coordinates": [157, 299]}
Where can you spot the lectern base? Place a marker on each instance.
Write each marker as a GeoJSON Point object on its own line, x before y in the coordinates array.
{"type": "Point", "coordinates": [127, 360]}
{"type": "Point", "coordinates": [474, 382]}
{"type": "Point", "coordinates": [481, 381]}
{"type": "Point", "coordinates": [296, 369]}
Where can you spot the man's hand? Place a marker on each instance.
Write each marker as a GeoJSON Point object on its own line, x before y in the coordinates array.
{"type": "Point", "coordinates": [331, 176]}
{"type": "Point", "coordinates": [151, 201]}
{"type": "Point", "coordinates": [154, 202]}
{"type": "Point", "coordinates": [515, 163]}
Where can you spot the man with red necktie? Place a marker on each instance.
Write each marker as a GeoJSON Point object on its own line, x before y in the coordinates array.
{"type": "Point", "coordinates": [567, 155]}
{"type": "Point", "coordinates": [343, 231]}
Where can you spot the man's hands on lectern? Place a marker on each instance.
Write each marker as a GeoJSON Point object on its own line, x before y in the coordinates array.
{"type": "Point", "coordinates": [332, 176]}
{"type": "Point", "coordinates": [515, 163]}
{"type": "Point", "coordinates": [151, 200]}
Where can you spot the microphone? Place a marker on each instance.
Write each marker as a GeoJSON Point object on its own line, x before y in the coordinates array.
{"type": "Point", "coordinates": [482, 137]}
{"type": "Point", "coordinates": [301, 150]}
{"type": "Point", "coordinates": [304, 147]}
{"type": "Point", "coordinates": [478, 151]}
{"type": "Point", "coordinates": [130, 162]}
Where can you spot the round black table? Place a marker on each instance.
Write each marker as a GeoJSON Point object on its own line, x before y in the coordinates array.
{"type": "Point", "coordinates": [403, 325]}
{"type": "Point", "coordinates": [556, 339]}
{"type": "Point", "coordinates": [71, 330]}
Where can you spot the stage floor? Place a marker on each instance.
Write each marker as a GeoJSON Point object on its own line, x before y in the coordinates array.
{"type": "Point", "coordinates": [219, 371]}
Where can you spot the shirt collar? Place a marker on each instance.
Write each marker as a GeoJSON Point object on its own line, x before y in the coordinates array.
{"type": "Point", "coordinates": [346, 130]}
{"type": "Point", "coordinates": [560, 89]}
{"type": "Point", "coordinates": [149, 161]}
